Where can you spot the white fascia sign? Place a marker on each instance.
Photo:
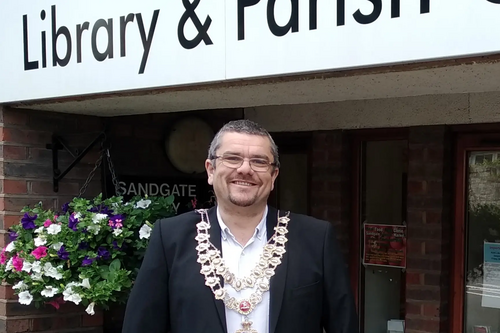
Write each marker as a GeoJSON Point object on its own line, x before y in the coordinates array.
{"type": "Point", "coordinates": [53, 49]}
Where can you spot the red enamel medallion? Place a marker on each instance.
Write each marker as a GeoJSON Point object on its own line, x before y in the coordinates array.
{"type": "Point", "coordinates": [244, 306]}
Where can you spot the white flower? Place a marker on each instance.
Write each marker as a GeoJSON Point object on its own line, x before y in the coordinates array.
{"type": "Point", "coordinates": [39, 241]}
{"type": "Point", "coordinates": [39, 230]}
{"type": "Point", "coordinates": [37, 277]}
{"type": "Point", "coordinates": [54, 229]}
{"type": "Point", "coordinates": [94, 229]}
{"type": "Point", "coordinates": [117, 232]}
{"type": "Point", "coordinates": [145, 231]}
{"type": "Point", "coordinates": [51, 271]}
{"type": "Point", "coordinates": [78, 215]}
{"type": "Point", "coordinates": [90, 309]}
{"type": "Point", "coordinates": [99, 217]}
{"type": "Point", "coordinates": [10, 247]}
{"type": "Point", "coordinates": [9, 265]}
{"type": "Point", "coordinates": [85, 283]}
{"type": "Point", "coordinates": [49, 291]}
{"type": "Point", "coordinates": [70, 295]}
{"type": "Point", "coordinates": [25, 298]}
{"type": "Point", "coordinates": [57, 246]}
{"type": "Point", "coordinates": [27, 266]}
{"type": "Point", "coordinates": [142, 204]}
{"type": "Point", "coordinates": [36, 267]}
{"type": "Point", "coordinates": [20, 285]}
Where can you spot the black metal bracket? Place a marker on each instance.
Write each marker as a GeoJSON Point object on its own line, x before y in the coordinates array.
{"type": "Point", "coordinates": [59, 144]}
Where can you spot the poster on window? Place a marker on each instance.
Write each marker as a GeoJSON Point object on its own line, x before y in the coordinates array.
{"type": "Point", "coordinates": [384, 245]}
{"type": "Point", "coordinates": [491, 276]}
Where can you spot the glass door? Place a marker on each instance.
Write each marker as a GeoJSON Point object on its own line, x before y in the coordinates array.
{"type": "Point", "coordinates": [382, 210]}
{"type": "Point", "coordinates": [477, 236]}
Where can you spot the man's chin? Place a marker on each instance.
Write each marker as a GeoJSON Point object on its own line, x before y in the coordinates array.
{"type": "Point", "coordinates": [242, 202]}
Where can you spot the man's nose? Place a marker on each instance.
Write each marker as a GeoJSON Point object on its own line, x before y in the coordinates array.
{"type": "Point", "coordinates": [245, 167]}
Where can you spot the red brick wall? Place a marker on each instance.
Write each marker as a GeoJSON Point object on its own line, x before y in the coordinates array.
{"type": "Point", "coordinates": [330, 182]}
{"type": "Point", "coordinates": [26, 170]}
{"type": "Point", "coordinates": [429, 229]}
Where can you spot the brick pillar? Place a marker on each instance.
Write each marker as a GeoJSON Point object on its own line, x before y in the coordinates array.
{"type": "Point", "coordinates": [429, 229]}
{"type": "Point", "coordinates": [330, 182]}
{"type": "Point", "coordinates": [26, 170]}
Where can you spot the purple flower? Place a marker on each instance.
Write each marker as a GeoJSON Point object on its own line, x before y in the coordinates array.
{"type": "Point", "coordinates": [87, 261]}
{"type": "Point", "coordinates": [73, 221]}
{"type": "Point", "coordinates": [13, 235]}
{"type": "Point", "coordinates": [101, 209]}
{"type": "Point", "coordinates": [83, 246]}
{"type": "Point", "coordinates": [102, 253]}
{"type": "Point", "coordinates": [65, 207]}
{"type": "Point", "coordinates": [28, 222]}
{"type": "Point", "coordinates": [63, 254]}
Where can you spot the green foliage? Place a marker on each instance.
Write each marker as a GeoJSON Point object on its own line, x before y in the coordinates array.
{"type": "Point", "coordinates": [89, 253]}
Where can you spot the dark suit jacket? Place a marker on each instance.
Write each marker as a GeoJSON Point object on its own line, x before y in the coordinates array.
{"type": "Point", "coordinates": [310, 290]}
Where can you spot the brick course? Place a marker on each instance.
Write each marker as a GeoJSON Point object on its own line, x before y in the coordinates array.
{"type": "Point", "coordinates": [429, 225]}
{"type": "Point", "coordinates": [330, 182]}
{"type": "Point", "coordinates": [26, 179]}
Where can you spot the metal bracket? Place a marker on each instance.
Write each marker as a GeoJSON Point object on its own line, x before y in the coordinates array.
{"type": "Point", "coordinates": [59, 144]}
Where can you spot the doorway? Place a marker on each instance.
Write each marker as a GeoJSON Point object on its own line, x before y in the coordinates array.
{"type": "Point", "coordinates": [380, 201]}
{"type": "Point", "coordinates": [476, 284]}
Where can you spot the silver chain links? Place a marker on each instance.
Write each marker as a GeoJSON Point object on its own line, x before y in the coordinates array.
{"type": "Point", "coordinates": [98, 163]}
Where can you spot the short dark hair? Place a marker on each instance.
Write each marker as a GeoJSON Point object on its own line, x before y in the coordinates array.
{"type": "Point", "coordinates": [243, 126]}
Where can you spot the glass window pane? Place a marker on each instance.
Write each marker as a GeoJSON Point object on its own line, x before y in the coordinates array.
{"type": "Point", "coordinates": [482, 298]}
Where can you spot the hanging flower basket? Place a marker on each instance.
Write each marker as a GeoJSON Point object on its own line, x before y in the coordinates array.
{"type": "Point", "coordinates": [89, 253]}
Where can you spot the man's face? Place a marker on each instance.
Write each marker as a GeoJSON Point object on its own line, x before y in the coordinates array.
{"type": "Point", "coordinates": [242, 186]}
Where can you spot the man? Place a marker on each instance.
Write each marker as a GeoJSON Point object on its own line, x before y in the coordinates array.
{"type": "Point", "coordinates": [242, 267]}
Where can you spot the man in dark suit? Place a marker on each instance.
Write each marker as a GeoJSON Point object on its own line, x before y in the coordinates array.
{"type": "Point", "coordinates": [242, 267]}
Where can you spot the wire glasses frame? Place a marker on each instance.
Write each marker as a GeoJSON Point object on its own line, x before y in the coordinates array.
{"type": "Point", "coordinates": [235, 161]}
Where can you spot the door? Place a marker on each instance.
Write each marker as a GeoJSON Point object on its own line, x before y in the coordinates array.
{"type": "Point", "coordinates": [380, 199]}
{"type": "Point", "coordinates": [477, 235]}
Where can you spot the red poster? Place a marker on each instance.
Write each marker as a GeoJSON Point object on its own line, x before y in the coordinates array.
{"type": "Point", "coordinates": [385, 245]}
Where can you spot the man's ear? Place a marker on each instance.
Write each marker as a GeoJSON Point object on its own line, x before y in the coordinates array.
{"type": "Point", "coordinates": [210, 171]}
{"type": "Point", "coordinates": [274, 175]}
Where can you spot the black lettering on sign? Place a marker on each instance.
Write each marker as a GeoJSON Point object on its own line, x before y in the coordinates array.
{"type": "Point", "coordinates": [395, 8]}
{"type": "Point", "coordinates": [425, 6]}
{"type": "Point", "coordinates": [108, 53]}
{"type": "Point", "coordinates": [146, 41]}
{"type": "Point", "coordinates": [63, 30]}
{"type": "Point", "coordinates": [373, 16]}
{"type": "Point", "coordinates": [293, 22]}
{"type": "Point", "coordinates": [123, 25]}
{"type": "Point", "coordinates": [241, 16]}
{"type": "Point", "coordinates": [340, 12]}
{"type": "Point", "coordinates": [313, 14]}
{"type": "Point", "coordinates": [44, 42]}
{"type": "Point", "coordinates": [79, 30]}
{"type": "Point", "coordinates": [190, 14]}
{"type": "Point", "coordinates": [28, 65]}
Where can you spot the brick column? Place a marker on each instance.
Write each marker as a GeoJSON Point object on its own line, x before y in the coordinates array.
{"type": "Point", "coordinates": [26, 179]}
{"type": "Point", "coordinates": [330, 182]}
{"type": "Point", "coordinates": [429, 229]}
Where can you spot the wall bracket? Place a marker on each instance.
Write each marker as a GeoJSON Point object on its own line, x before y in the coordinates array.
{"type": "Point", "coordinates": [59, 144]}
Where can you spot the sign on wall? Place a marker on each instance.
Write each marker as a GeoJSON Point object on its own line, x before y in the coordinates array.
{"type": "Point", "coordinates": [384, 245]}
{"type": "Point", "coordinates": [65, 48]}
{"type": "Point", "coordinates": [189, 193]}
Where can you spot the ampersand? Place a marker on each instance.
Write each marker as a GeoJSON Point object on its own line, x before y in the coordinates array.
{"type": "Point", "coordinates": [202, 29]}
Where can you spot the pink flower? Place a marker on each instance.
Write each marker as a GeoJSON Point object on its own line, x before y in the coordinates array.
{"type": "Point", "coordinates": [40, 252]}
{"type": "Point", "coordinates": [55, 217]}
{"type": "Point", "coordinates": [56, 302]}
{"type": "Point", "coordinates": [3, 257]}
{"type": "Point", "coordinates": [47, 223]}
{"type": "Point", "coordinates": [17, 262]}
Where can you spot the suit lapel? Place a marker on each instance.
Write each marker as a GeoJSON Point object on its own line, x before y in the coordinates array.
{"type": "Point", "coordinates": [215, 236]}
{"type": "Point", "coordinates": [279, 279]}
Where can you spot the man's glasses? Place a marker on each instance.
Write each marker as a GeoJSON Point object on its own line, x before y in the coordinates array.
{"type": "Point", "coordinates": [235, 161]}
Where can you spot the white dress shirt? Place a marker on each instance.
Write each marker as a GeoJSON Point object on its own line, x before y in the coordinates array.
{"type": "Point", "coordinates": [240, 260]}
